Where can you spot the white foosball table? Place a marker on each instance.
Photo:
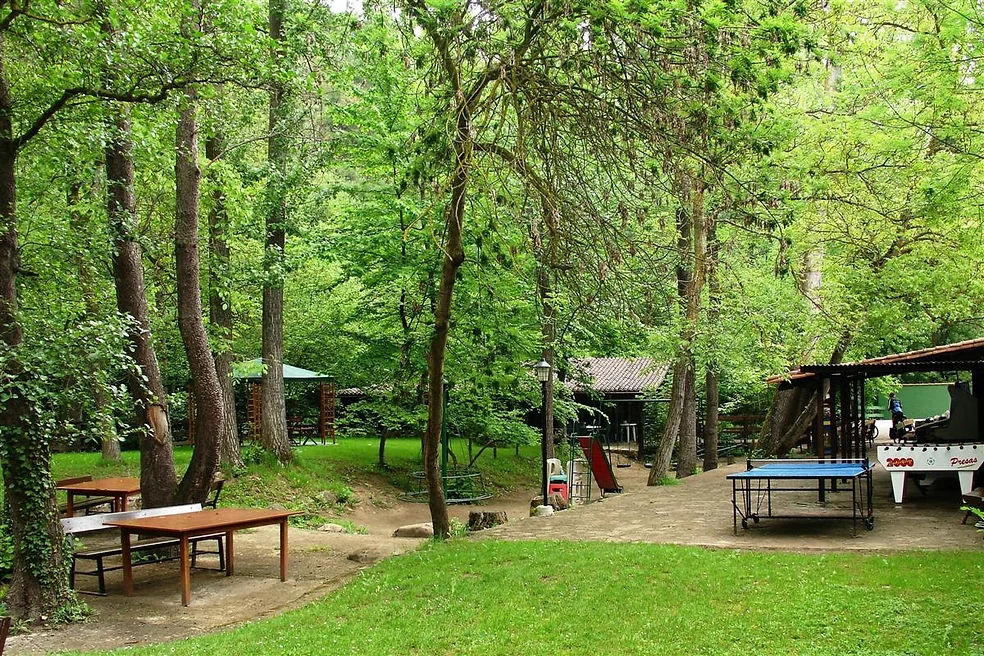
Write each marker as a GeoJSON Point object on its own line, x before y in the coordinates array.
{"type": "Point", "coordinates": [902, 459]}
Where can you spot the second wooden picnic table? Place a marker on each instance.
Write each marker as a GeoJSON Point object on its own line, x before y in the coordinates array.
{"type": "Point", "coordinates": [120, 488]}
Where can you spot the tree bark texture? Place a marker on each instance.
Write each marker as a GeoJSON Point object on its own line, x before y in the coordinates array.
{"type": "Point", "coordinates": [674, 415]}
{"type": "Point", "coordinates": [220, 310]}
{"type": "Point", "coordinates": [687, 445]}
{"type": "Point", "coordinates": [39, 584]}
{"type": "Point", "coordinates": [194, 486]}
{"type": "Point", "coordinates": [273, 405]}
{"type": "Point", "coordinates": [692, 189]}
{"type": "Point", "coordinates": [157, 473]}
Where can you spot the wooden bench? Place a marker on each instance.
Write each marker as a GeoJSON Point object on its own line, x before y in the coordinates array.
{"type": "Point", "coordinates": [973, 499]}
{"type": "Point", "coordinates": [73, 526]}
{"type": "Point", "coordinates": [82, 502]}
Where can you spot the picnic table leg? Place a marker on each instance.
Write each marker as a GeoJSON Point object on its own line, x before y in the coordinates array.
{"type": "Point", "coordinates": [230, 553]}
{"type": "Point", "coordinates": [185, 571]}
{"type": "Point", "coordinates": [70, 506]}
{"type": "Point", "coordinates": [123, 502]}
{"type": "Point", "coordinates": [283, 549]}
{"type": "Point", "coordinates": [127, 564]}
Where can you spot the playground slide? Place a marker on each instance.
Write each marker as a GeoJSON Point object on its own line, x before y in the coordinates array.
{"type": "Point", "coordinates": [601, 467]}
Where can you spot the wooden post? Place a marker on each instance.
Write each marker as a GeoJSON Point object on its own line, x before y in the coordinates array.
{"type": "Point", "coordinates": [977, 382]}
{"type": "Point", "coordinates": [254, 412]}
{"type": "Point", "coordinates": [332, 396]}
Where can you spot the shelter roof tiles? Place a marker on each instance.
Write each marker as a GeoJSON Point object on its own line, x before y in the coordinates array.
{"type": "Point", "coordinates": [958, 355]}
{"type": "Point", "coordinates": [618, 375]}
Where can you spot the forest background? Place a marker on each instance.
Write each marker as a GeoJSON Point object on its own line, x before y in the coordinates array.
{"type": "Point", "coordinates": [402, 194]}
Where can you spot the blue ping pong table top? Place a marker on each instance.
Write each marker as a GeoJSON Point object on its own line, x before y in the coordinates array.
{"type": "Point", "coordinates": [805, 470]}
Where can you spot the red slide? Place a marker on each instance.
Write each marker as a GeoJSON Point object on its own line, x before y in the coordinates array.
{"type": "Point", "coordinates": [601, 467]}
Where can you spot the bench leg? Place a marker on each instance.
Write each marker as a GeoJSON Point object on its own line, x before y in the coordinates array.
{"type": "Point", "coordinates": [101, 576]}
{"type": "Point", "coordinates": [220, 552]}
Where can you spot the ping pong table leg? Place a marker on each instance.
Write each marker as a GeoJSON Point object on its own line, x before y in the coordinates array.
{"type": "Point", "coordinates": [854, 505]}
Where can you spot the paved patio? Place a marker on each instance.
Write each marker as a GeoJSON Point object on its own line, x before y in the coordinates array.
{"type": "Point", "coordinates": [698, 511]}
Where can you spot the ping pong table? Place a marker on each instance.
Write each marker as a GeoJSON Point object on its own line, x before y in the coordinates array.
{"type": "Point", "coordinates": [751, 490]}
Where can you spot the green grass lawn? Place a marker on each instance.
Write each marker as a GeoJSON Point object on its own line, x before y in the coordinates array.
{"type": "Point", "coordinates": [320, 481]}
{"type": "Point", "coordinates": [530, 598]}
{"type": "Point", "coordinates": [491, 598]}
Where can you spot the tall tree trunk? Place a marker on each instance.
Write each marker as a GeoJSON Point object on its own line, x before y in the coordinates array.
{"type": "Point", "coordinates": [273, 406]}
{"type": "Point", "coordinates": [454, 255]}
{"type": "Point", "coordinates": [195, 484]}
{"type": "Point", "coordinates": [674, 415]}
{"type": "Point", "coordinates": [681, 427]}
{"type": "Point", "coordinates": [687, 447]}
{"type": "Point", "coordinates": [694, 191]}
{"type": "Point", "coordinates": [157, 473]}
{"type": "Point", "coordinates": [793, 410]}
{"type": "Point", "coordinates": [108, 437]}
{"type": "Point", "coordinates": [711, 375]}
{"type": "Point", "coordinates": [220, 308]}
{"type": "Point", "coordinates": [39, 584]}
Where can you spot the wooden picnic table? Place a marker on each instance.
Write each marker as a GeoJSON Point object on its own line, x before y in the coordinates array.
{"type": "Point", "coordinates": [120, 488]}
{"type": "Point", "coordinates": [193, 524]}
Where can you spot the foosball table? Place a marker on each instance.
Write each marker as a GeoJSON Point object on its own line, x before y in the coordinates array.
{"type": "Point", "coordinates": [927, 459]}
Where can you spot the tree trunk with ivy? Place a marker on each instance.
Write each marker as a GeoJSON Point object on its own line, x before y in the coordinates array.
{"type": "Point", "coordinates": [39, 584]}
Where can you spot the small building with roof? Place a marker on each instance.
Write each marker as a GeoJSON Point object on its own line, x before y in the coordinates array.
{"type": "Point", "coordinates": [251, 373]}
{"type": "Point", "coordinates": [847, 394]}
{"type": "Point", "coordinates": [620, 388]}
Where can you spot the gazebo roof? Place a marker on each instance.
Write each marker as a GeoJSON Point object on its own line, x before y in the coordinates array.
{"type": "Point", "coordinates": [959, 356]}
{"type": "Point", "coordinates": [253, 370]}
{"type": "Point", "coordinates": [618, 375]}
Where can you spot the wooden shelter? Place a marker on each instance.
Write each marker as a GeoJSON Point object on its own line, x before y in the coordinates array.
{"type": "Point", "coordinates": [618, 386]}
{"type": "Point", "coordinates": [846, 384]}
{"type": "Point", "coordinates": [252, 374]}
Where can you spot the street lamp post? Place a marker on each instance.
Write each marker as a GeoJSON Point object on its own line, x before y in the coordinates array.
{"type": "Point", "coordinates": [543, 372]}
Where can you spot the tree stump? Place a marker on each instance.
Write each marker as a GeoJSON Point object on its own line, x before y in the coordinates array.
{"type": "Point", "coordinates": [554, 499]}
{"type": "Point", "coordinates": [482, 519]}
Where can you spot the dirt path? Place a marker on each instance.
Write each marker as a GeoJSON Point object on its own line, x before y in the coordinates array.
{"type": "Point", "coordinates": [696, 512]}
